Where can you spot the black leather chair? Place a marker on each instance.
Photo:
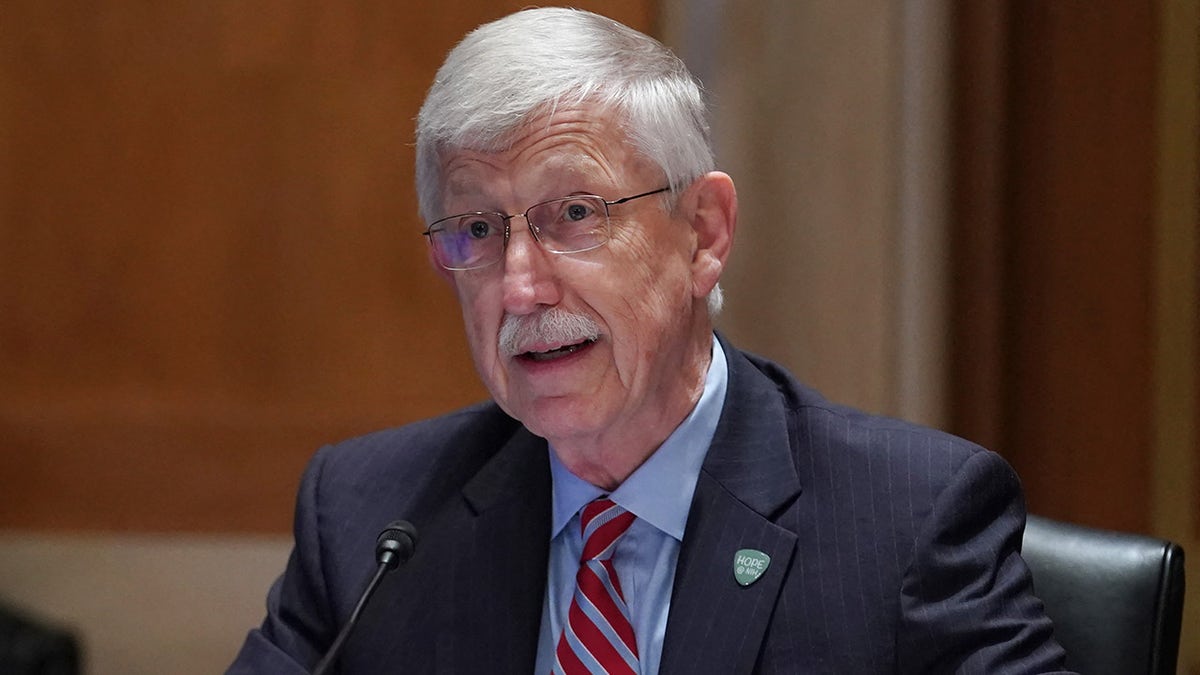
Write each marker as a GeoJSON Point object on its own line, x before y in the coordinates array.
{"type": "Point", "coordinates": [1116, 599]}
{"type": "Point", "coordinates": [29, 647]}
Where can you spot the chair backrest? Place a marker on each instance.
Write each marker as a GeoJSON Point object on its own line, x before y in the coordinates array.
{"type": "Point", "coordinates": [29, 647]}
{"type": "Point", "coordinates": [1116, 599]}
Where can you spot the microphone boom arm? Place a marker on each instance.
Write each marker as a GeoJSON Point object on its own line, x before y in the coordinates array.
{"type": "Point", "coordinates": [395, 545]}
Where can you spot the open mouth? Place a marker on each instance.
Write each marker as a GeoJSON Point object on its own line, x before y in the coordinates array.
{"type": "Point", "coordinates": [558, 352]}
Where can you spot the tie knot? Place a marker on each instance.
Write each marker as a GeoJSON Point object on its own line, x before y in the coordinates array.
{"type": "Point", "coordinates": [603, 523]}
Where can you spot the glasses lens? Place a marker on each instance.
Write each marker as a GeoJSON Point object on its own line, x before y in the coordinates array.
{"type": "Point", "coordinates": [570, 224]}
{"type": "Point", "coordinates": [468, 241]}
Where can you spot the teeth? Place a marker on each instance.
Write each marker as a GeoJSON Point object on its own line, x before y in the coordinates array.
{"type": "Point", "coordinates": [556, 353]}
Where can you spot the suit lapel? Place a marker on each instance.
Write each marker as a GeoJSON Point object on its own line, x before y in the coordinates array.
{"type": "Point", "coordinates": [748, 478]}
{"type": "Point", "coordinates": [714, 625]}
{"type": "Point", "coordinates": [500, 574]}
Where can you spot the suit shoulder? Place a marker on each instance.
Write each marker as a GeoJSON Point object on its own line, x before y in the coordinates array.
{"type": "Point", "coordinates": [857, 427]}
{"type": "Point", "coordinates": [851, 434]}
{"type": "Point", "coordinates": [464, 426]}
{"type": "Point", "coordinates": [447, 448]}
{"type": "Point", "coordinates": [894, 456]}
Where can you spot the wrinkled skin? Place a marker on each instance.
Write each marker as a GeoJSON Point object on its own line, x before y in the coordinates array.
{"type": "Point", "coordinates": [606, 405]}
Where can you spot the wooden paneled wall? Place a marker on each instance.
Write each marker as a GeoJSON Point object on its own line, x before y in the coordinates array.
{"type": "Point", "coordinates": [1076, 283]}
{"type": "Point", "coordinates": [210, 259]}
{"type": "Point", "coordinates": [1055, 233]}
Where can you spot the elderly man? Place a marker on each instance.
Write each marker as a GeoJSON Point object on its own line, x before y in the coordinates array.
{"type": "Point", "coordinates": [639, 496]}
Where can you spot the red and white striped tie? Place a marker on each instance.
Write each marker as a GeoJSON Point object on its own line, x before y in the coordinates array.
{"type": "Point", "coordinates": [597, 636]}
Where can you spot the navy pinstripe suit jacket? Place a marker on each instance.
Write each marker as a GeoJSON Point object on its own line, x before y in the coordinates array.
{"type": "Point", "coordinates": [894, 548]}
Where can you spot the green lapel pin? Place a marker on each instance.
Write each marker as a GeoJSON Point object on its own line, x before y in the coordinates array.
{"type": "Point", "coordinates": [749, 564]}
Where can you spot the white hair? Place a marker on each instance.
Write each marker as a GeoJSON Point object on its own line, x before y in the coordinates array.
{"type": "Point", "coordinates": [507, 72]}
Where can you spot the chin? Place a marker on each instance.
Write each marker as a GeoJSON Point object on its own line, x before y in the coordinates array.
{"type": "Point", "coordinates": [561, 419]}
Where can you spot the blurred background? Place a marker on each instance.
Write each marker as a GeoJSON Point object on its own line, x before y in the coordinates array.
{"type": "Point", "coordinates": [981, 216]}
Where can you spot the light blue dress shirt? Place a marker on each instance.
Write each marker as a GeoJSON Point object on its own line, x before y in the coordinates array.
{"type": "Point", "coordinates": [659, 493]}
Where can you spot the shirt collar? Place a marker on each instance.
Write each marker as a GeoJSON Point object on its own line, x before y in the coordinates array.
{"type": "Point", "coordinates": [660, 490]}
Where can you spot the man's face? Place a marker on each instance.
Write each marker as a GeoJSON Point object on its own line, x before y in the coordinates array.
{"type": "Point", "coordinates": [638, 291]}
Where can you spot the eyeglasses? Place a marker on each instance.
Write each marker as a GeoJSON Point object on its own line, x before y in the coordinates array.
{"type": "Point", "coordinates": [477, 239]}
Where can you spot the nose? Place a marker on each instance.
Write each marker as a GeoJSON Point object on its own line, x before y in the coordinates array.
{"type": "Point", "coordinates": [530, 280]}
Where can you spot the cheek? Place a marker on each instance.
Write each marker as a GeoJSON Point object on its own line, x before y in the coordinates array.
{"type": "Point", "coordinates": [654, 300]}
{"type": "Point", "coordinates": [481, 322]}
{"type": "Point", "coordinates": [656, 277]}
{"type": "Point", "coordinates": [644, 256]}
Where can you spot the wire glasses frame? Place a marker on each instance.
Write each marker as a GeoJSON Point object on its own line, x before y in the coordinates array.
{"type": "Point", "coordinates": [572, 224]}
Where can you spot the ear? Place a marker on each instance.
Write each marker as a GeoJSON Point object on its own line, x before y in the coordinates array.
{"type": "Point", "coordinates": [711, 209]}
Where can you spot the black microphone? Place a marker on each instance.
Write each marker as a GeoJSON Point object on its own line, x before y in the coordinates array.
{"type": "Point", "coordinates": [393, 548]}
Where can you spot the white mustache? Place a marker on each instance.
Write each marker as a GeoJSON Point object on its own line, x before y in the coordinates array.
{"type": "Point", "coordinates": [554, 326]}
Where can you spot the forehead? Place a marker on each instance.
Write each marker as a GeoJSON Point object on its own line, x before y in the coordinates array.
{"type": "Point", "coordinates": [567, 145]}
